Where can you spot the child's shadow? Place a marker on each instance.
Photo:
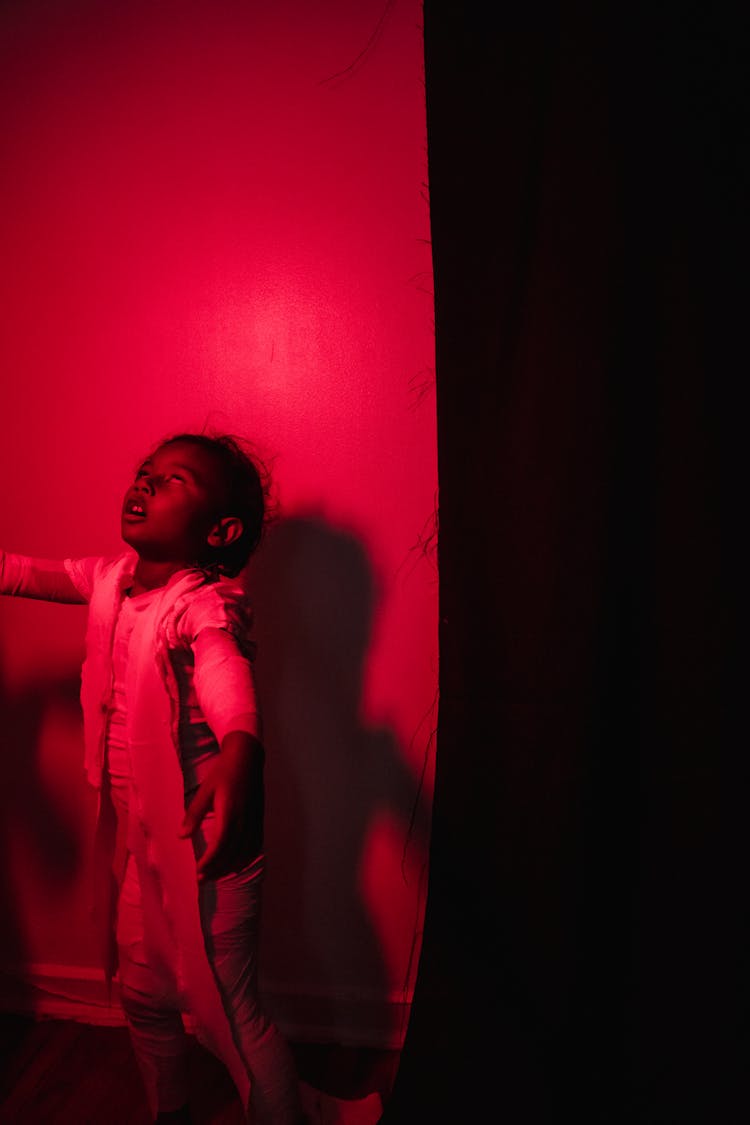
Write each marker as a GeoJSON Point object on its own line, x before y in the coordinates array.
{"type": "Point", "coordinates": [38, 836]}
{"type": "Point", "coordinates": [328, 775]}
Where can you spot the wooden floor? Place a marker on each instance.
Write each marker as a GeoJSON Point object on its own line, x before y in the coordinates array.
{"type": "Point", "coordinates": [67, 1073]}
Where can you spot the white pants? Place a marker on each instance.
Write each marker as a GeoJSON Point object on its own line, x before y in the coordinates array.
{"type": "Point", "coordinates": [229, 909]}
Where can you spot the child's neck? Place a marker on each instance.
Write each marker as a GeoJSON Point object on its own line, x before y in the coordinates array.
{"type": "Point", "coordinates": [150, 574]}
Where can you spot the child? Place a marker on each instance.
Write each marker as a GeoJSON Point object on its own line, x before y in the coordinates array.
{"type": "Point", "coordinates": [173, 746]}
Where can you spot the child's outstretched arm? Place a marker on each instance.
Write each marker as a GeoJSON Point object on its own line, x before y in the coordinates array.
{"type": "Point", "coordinates": [46, 579]}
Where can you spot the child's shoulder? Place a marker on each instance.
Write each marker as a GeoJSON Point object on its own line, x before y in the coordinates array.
{"type": "Point", "coordinates": [215, 604]}
{"type": "Point", "coordinates": [91, 571]}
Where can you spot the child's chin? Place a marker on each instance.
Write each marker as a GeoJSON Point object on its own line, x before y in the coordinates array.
{"type": "Point", "coordinates": [132, 535]}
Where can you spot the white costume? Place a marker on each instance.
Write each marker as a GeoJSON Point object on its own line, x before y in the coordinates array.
{"type": "Point", "coordinates": [166, 676]}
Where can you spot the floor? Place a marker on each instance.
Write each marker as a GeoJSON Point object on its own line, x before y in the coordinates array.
{"type": "Point", "coordinates": [60, 1072]}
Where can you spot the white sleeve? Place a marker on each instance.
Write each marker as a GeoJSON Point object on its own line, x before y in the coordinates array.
{"type": "Point", "coordinates": [224, 684]}
{"type": "Point", "coordinates": [46, 579]}
{"type": "Point", "coordinates": [82, 573]}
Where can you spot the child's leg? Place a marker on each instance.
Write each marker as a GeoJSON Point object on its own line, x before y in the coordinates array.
{"type": "Point", "coordinates": [148, 997]}
{"type": "Point", "coordinates": [230, 910]}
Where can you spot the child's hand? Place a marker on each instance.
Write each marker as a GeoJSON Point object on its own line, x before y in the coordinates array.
{"type": "Point", "coordinates": [234, 789]}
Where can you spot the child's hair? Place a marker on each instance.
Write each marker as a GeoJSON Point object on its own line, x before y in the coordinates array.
{"type": "Point", "coordinates": [248, 495]}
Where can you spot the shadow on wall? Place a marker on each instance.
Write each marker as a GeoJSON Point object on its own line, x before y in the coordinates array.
{"type": "Point", "coordinates": [39, 838]}
{"type": "Point", "coordinates": [328, 775]}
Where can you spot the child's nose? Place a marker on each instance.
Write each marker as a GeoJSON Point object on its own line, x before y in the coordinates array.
{"type": "Point", "coordinates": [145, 483]}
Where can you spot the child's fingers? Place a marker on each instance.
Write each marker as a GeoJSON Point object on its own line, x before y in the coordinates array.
{"type": "Point", "coordinates": [205, 868]}
{"type": "Point", "coordinates": [211, 862]}
{"type": "Point", "coordinates": [229, 854]}
{"type": "Point", "coordinates": [196, 810]}
{"type": "Point", "coordinates": [215, 861]}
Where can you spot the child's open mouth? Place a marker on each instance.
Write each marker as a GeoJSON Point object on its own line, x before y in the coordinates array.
{"type": "Point", "coordinates": [134, 510]}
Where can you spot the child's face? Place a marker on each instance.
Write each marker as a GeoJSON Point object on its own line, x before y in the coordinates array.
{"type": "Point", "coordinates": [172, 506]}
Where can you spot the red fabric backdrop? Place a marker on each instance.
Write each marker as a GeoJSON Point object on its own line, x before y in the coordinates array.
{"type": "Point", "coordinates": [585, 950]}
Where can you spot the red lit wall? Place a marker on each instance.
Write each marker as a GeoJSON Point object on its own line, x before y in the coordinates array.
{"type": "Point", "coordinates": [216, 214]}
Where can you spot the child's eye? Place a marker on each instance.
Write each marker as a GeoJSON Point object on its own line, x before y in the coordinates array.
{"type": "Point", "coordinates": [175, 476]}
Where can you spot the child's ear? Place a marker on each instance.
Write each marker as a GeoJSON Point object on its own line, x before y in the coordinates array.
{"type": "Point", "coordinates": [226, 531]}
